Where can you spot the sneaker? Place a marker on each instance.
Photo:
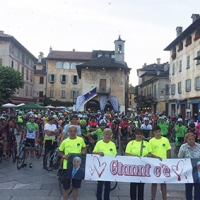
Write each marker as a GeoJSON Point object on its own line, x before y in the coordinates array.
{"type": "Point", "coordinates": [24, 165]}
{"type": "Point", "coordinates": [31, 165]}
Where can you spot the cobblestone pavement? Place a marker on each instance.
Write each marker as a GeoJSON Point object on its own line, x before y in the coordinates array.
{"type": "Point", "coordinates": [38, 184]}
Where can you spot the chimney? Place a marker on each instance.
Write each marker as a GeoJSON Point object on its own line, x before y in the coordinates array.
{"type": "Point", "coordinates": [195, 17]}
{"type": "Point", "coordinates": [158, 61]}
{"type": "Point", "coordinates": [73, 49]}
{"type": "Point", "coordinates": [1, 31]}
{"type": "Point", "coordinates": [145, 64]}
{"type": "Point", "coordinates": [50, 49]}
{"type": "Point", "coordinates": [179, 30]}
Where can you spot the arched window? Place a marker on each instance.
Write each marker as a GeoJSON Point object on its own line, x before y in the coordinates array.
{"type": "Point", "coordinates": [188, 40]}
{"type": "Point", "coordinates": [73, 65]}
{"type": "Point", "coordinates": [180, 46]}
{"type": "Point", "coordinates": [197, 34]}
{"type": "Point", "coordinates": [66, 65]}
{"type": "Point", "coordinates": [59, 65]}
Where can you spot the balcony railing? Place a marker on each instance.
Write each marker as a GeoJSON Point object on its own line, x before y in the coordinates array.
{"type": "Point", "coordinates": [102, 90]}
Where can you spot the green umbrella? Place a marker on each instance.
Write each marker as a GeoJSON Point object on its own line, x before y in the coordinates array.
{"type": "Point", "coordinates": [32, 106]}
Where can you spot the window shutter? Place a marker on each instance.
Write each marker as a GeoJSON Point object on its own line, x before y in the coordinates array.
{"type": "Point", "coordinates": [189, 85]}
{"type": "Point", "coordinates": [195, 83]}
{"type": "Point", "coordinates": [49, 77]}
{"type": "Point", "coordinates": [71, 94]}
{"type": "Point", "coordinates": [186, 86]}
{"type": "Point", "coordinates": [54, 78]}
{"type": "Point", "coordinates": [61, 78]}
{"type": "Point", "coordinates": [72, 78]}
{"type": "Point", "coordinates": [77, 93]}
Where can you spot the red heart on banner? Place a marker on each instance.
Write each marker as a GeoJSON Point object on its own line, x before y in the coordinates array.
{"type": "Point", "coordinates": [91, 171]}
{"type": "Point", "coordinates": [178, 169]}
{"type": "Point", "coordinates": [99, 167]}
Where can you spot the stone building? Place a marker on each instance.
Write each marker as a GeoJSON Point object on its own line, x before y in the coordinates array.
{"type": "Point", "coordinates": [184, 73]}
{"type": "Point", "coordinates": [153, 88]}
{"type": "Point", "coordinates": [15, 55]}
{"type": "Point", "coordinates": [131, 97]}
{"type": "Point", "coordinates": [105, 80]}
{"type": "Point", "coordinates": [40, 79]}
{"type": "Point", "coordinates": [63, 83]}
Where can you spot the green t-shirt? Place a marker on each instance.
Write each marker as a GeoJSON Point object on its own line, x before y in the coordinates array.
{"type": "Point", "coordinates": [98, 133]}
{"type": "Point", "coordinates": [71, 146]}
{"type": "Point", "coordinates": [134, 148]}
{"type": "Point", "coordinates": [164, 128]}
{"type": "Point", "coordinates": [31, 129]}
{"type": "Point", "coordinates": [159, 147]}
{"type": "Point", "coordinates": [107, 148]}
{"type": "Point", "coordinates": [182, 130]}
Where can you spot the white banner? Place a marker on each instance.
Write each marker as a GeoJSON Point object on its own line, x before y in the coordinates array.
{"type": "Point", "coordinates": [79, 101]}
{"type": "Point", "coordinates": [135, 169]}
{"type": "Point", "coordinates": [103, 101]}
{"type": "Point", "coordinates": [115, 103]}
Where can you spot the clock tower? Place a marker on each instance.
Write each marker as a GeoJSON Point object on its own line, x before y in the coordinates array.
{"type": "Point", "coordinates": [119, 50]}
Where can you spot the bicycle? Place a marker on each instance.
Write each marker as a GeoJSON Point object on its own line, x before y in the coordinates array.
{"type": "Point", "coordinates": [38, 149]}
{"type": "Point", "coordinates": [52, 160]}
{"type": "Point", "coordinates": [21, 157]}
{"type": "Point", "coordinates": [12, 149]}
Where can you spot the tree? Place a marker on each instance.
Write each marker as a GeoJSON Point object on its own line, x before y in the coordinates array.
{"type": "Point", "coordinates": [10, 80]}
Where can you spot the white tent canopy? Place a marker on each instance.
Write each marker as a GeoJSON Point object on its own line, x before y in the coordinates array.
{"type": "Point", "coordinates": [61, 107]}
{"type": "Point", "coordinates": [21, 104]}
{"type": "Point", "coordinates": [49, 106]}
{"type": "Point", "coordinates": [8, 105]}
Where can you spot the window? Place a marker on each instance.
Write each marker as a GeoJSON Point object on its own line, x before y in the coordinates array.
{"type": "Point", "coordinates": [173, 69]}
{"type": "Point", "coordinates": [173, 56]}
{"type": "Point", "coordinates": [30, 91]}
{"type": "Point", "coordinates": [188, 62]}
{"type": "Point", "coordinates": [73, 65]}
{"type": "Point", "coordinates": [26, 74]}
{"type": "Point", "coordinates": [26, 90]}
{"type": "Point", "coordinates": [75, 79]}
{"type": "Point", "coordinates": [58, 65]}
{"type": "Point", "coordinates": [12, 64]}
{"type": "Point", "coordinates": [172, 89]}
{"type": "Point", "coordinates": [188, 41]}
{"type": "Point", "coordinates": [63, 78]}
{"type": "Point", "coordinates": [27, 61]}
{"type": "Point", "coordinates": [41, 94]}
{"type": "Point", "coordinates": [52, 78]}
{"type": "Point", "coordinates": [198, 54]}
{"type": "Point", "coordinates": [44, 68]}
{"type": "Point", "coordinates": [63, 96]}
{"type": "Point", "coordinates": [119, 48]}
{"type": "Point", "coordinates": [180, 46]}
{"type": "Point", "coordinates": [23, 58]}
{"type": "Point", "coordinates": [197, 34]}
{"type": "Point", "coordinates": [23, 72]}
{"type": "Point", "coordinates": [66, 65]}
{"type": "Point", "coordinates": [31, 76]}
{"type": "Point", "coordinates": [188, 85]}
{"type": "Point", "coordinates": [167, 89]}
{"type": "Point", "coordinates": [179, 88]}
{"type": "Point", "coordinates": [74, 94]}
{"type": "Point", "coordinates": [34, 67]}
{"type": "Point", "coordinates": [129, 103]}
{"type": "Point", "coordinates": [51, 93]}
{"type": "Point", "coordinates": [1, 61]}
{"type": "Point", "coordinates": [197, 83]}
{"type": "Point", "coordinates": [130, 96]}
{"type": "Point", "coordinates": [41, 80]}
{"type": "Point", "coordinates": [180, 65]}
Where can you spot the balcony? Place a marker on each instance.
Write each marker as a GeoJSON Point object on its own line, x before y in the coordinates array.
{"type": "Point", "coordinates": [102, 90]}
{"type": "Point", "coordinates": [150, 98]}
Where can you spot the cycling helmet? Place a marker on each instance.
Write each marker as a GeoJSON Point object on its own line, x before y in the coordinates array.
{"type": "Point", "coordinates": [146, 119]}
{"type": "Point", "coordinates": [2, 118]}
{"type": "Point", "coordinates": [31, 116]}
{"type": "Point", "coordinates": [102, 122]}
{"type": "Point", "coordinates": [180, 120]}
{"type": "Point", "coordinates": [83, 122]}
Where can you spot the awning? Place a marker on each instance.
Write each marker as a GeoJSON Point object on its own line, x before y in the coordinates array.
{"type": "Point", "coordinates": [142, 105]}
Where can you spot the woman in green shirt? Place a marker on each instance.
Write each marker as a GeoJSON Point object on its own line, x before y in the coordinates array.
{"type": "Point", "coordinates": [137, 147]}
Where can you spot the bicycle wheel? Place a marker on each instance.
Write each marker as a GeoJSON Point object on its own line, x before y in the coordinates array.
{"type": "Point", "coordinates": [113, 185]}
{"type": "Point", "coordinates": [61, 189]}
{"type": "Point", "coordinates": [38, 151]}
{"type": "Point", "coordinates": [49, 161]}
{"type": "Point", "coordinates": [21, 158]}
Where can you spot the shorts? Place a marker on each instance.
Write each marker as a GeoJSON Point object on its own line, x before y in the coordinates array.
{"type": "Point", "coordinates": [76, 183]}
{"type": "Point", "coordinates": [30, 142]}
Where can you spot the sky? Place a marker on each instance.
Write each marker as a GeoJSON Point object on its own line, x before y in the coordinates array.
{"type": "Point", "coordinates": [147, 26]}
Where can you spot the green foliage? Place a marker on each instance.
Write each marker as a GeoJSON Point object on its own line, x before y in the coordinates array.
{"type": "Point", "coordinates": [48, 101]}
{"type": "Point", "coordinates": [10, 80]}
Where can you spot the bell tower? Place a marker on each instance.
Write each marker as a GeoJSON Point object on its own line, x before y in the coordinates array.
{"type": "Point", "coordinates": [119, 50]}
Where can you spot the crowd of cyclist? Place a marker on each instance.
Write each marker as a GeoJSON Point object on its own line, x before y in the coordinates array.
{"type": "Point", "coordinates": [90, 126]}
